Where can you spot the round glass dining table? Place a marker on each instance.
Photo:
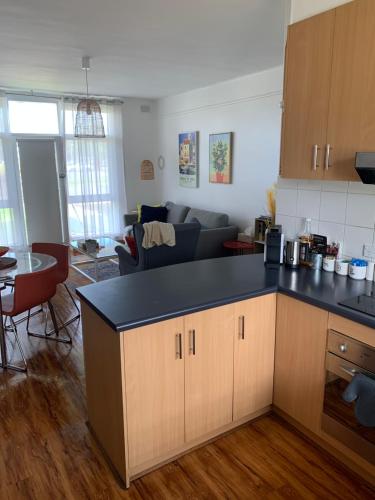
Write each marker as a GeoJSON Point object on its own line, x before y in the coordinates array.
{"type": "Point", "coordinates": [27, 262]}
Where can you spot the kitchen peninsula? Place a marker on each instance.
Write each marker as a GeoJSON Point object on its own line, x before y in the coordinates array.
{"type": "Point", "coordinates": [179, 355]}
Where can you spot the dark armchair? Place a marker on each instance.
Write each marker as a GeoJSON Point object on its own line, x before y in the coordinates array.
{"type": "Point", "coordinates": [184, 251]}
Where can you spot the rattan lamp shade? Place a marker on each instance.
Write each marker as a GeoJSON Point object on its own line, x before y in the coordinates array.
{"type": "Point", "coordinates": [89, 120]}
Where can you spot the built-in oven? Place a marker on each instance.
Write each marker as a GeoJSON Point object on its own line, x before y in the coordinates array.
{"type": "Point", "coordinates": [344, 359]}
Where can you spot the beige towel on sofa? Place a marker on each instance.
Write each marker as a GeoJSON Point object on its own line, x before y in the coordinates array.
{"type": "Point", "coordinates": [158, 233]}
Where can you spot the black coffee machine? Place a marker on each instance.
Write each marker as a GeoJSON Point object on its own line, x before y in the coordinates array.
{"type": "Point", "coordinates": [274, 247]}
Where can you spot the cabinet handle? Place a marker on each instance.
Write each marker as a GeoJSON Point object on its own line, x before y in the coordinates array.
{"type": "Point", "coordinates": [192, 342]}
{"type": "Point", "coordinates": [315, 163]}
{"type": "Point", "coordinates": [327, 160]}
{"type": "Point", "coordinates": [178, 346]}
{"type": "Point", "coordinates": [241, 327]}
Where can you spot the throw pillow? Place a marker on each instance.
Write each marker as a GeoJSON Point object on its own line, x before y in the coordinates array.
{"type": "Point", "coordinates": [130, 241]}
{"type": "Point", "coordinates": [139, 210]}
{"type": "Point", "coordinates": [150, 214]}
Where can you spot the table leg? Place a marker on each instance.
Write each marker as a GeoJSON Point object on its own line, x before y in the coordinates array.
{"type": "Point", "coordinates": [96, 270]}
{"type": "Point", "coordinates": [3, 346]}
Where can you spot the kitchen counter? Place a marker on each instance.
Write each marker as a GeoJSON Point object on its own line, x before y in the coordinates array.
{"type": "Point", "coordinates": [159, 294]}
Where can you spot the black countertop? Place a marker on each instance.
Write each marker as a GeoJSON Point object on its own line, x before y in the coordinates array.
{"type": "Point", "coordinates": [147, 297]}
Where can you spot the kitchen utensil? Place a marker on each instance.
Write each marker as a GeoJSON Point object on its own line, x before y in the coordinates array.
{"type": "Point", "coordinates": [357, 269]}
{"type": "Point", "coordinates": [329, 263]}
{"type": "Point", "coordinates": [292, 254]}
{"type": "Point", "coordinates": [342, 267]}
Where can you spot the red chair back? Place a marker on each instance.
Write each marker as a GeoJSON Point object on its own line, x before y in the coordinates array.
{"type": "Point", "coordinates": [61, 254]}
{"type": "Point", "coordinates": [33, 289]}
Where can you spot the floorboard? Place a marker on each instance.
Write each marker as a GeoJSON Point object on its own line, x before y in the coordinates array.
{"type": "Point", "coordinates": [47, 452]}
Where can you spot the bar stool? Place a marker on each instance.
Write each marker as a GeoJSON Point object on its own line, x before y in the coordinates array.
{"type": "Point", "coordinates": [61, 254]}
{"type": "Point", "coordinates": [29, 290]}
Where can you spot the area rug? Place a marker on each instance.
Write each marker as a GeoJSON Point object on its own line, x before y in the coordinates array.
{"type": "Point", "coordinates": [106, 270]}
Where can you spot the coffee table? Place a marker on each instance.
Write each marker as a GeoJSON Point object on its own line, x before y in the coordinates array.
{"type": "Point", "coordinates": [106, 251]}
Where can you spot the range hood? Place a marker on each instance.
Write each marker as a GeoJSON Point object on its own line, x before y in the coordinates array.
{"type": "Point", "coordinates": [365, 167]}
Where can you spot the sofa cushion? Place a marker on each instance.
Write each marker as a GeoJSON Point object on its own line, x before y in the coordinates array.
{"type": "Point", "coordinates": [208, 219]}
{"type": "Point", "coordinates": [176, 213]}
{"type": "Point", "coordinates": [150, 214]}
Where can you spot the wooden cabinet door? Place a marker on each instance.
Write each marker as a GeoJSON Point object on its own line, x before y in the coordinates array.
{"type": "Point", "coordinates": [351, 125]}
{"type": "Point", "coordinates": [208, 370]}
{"type": "Point", "coordinates": [301, 336]}
{"type": "Point", "coordinates": [306, 96]}
{"type": "Point", "coordinates": [154, 385]}
{"type": "Point", "coordinates": [254, 346]}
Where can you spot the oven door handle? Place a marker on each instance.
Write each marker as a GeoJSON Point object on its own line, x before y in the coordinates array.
{"type": "Point", "coordinates": [349, 371]}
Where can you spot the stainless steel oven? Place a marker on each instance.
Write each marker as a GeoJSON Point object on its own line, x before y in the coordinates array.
{"type": "Point", "coordinates": [345, 358]}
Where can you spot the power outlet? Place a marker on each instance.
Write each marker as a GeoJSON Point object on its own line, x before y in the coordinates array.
{"type": "Point", "coordinates": [369, 252]}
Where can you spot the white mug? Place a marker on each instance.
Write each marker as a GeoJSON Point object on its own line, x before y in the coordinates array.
{"type": "Point", "coordinates": [342, 267]}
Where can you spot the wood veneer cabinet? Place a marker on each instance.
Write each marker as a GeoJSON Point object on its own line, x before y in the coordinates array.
{"type": "Point", "coordinates": [306, 96]}
{"type": "Point", "coordinates": [156, 391]}
{"type": "Point", "coordinates": [254, 349]}
{"type": "Point", "coordinates": [154, 382]}
{"type": "Point", "coordinates": [208, 370]}
{"type": "Point", "coordinates": [301, 337]}
{"type": "Point", "coordinates": [329, 93]}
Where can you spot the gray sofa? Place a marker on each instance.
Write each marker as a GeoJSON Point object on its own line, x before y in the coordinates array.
{"type": "Point", "coordinates": [215, 228]}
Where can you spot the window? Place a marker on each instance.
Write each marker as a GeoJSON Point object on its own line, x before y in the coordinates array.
{"type": "Point", "coordinates": [95, 176]}
{"type": "Point", "coordinates": [33, 117]}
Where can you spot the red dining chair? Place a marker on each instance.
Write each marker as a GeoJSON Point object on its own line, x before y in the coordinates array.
{"type": "Point", "coordinates": [61, 254]}
{"type": "Point", "coordinates": [29, 290]}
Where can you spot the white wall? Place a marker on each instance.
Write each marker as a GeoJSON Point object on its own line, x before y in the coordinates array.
{"type": "Point", "coordinates": [301, 9]}
{"type": "Point", "coordinates": [249, 107]}
{"type": "Point", "coordinates": [140, 143]}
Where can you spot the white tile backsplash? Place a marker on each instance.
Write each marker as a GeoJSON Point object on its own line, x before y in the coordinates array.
{"type": "Point", "coordinates": [308, 204]}
{"type": "Point", "coordinates": [361, 210]}
{"type": "Point", "coordinates": [359, 188]}
{"type": "Point", "coordinates": [335, 186]}
{"type": "Point", "coordinates": [333, 207]}
{"type": "Point", "coordinates": [340, 210]}
{"type": "Point", "coordinates": [289, 225]}
{"type": "Point", "coordinates": [355, 239]}
{"type": "Point", "coordinates": [286, 200]}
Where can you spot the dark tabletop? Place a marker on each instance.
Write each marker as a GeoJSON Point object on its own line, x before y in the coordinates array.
{"type": "Point", "coordinates": [147, 297]}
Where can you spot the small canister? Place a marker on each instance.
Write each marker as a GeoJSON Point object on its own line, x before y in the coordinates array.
{"type": "Point", "coordinates": [357, 269]}
{"type": "Point", "coordinates": [329, 263]}
{"type": "Point", "coordinates": [370, 271]}
{"type": "Point", "coordinates": [316, 261]}
{"type": "Point", "coordinates": [342, 267]}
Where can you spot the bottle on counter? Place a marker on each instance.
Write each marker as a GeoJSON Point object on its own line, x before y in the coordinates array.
{"type": "Point", "coordinates": [305, 239]}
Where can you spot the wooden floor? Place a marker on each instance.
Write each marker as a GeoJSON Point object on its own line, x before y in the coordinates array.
{"type": "Point", "coordinates": [46, 451]}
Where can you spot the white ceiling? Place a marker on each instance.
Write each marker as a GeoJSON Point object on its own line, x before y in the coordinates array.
{"type": "Point", "coordinates": [143, 48]}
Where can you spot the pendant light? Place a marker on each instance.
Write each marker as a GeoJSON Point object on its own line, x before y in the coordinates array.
{"type": "Point", "coordinates": [89, 120]}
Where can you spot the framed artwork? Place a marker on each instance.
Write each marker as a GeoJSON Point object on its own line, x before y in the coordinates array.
{"type": "Point", "coordinates": [221, 146]}
{"type": "Point", "coordinates": [188, 159]}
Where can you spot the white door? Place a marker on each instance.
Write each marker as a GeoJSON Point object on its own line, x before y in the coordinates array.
{"type": "Point", "coordinates": [40, 189]}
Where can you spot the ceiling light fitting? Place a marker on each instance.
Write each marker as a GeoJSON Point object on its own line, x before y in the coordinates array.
{"type": "Point", "coordinates": [89, 120]}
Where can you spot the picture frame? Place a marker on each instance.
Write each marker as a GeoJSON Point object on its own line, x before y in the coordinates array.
{"type": "Point", "coordinates": [220, 158]}
{"type": "Point", "coordinates": [188, 164]}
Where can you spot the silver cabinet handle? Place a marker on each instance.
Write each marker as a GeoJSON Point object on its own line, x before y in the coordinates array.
{"type": "Point", "coordinates": [178, 346]}
{"type": "Point", "coordinates": [241, 327]}
{"type": "Point", "coordinates": [315, 163]}
{"type": "Point", "coordinates": [192, 342]}
{"type": "Point", "coordinates": [327, 160]}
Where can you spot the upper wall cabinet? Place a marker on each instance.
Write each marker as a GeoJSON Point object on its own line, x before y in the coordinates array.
{"type": "Point", "coordinates": [306, 96]}
{"type": "Point", "coordinates": [329, 94]}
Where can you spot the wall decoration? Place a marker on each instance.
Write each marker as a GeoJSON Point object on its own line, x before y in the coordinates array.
{"type": "Point", "coordinates": [221, 158]}
{"type": "Point", "coordinates": [188, 159]}
{"type": "Point", "coordinates": [147, 171]}
{"type": "Point", "coordinates": [161, 162]}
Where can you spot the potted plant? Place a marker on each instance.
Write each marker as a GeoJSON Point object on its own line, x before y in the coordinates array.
{"type": "Point", "coordinates": [219, 159]}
